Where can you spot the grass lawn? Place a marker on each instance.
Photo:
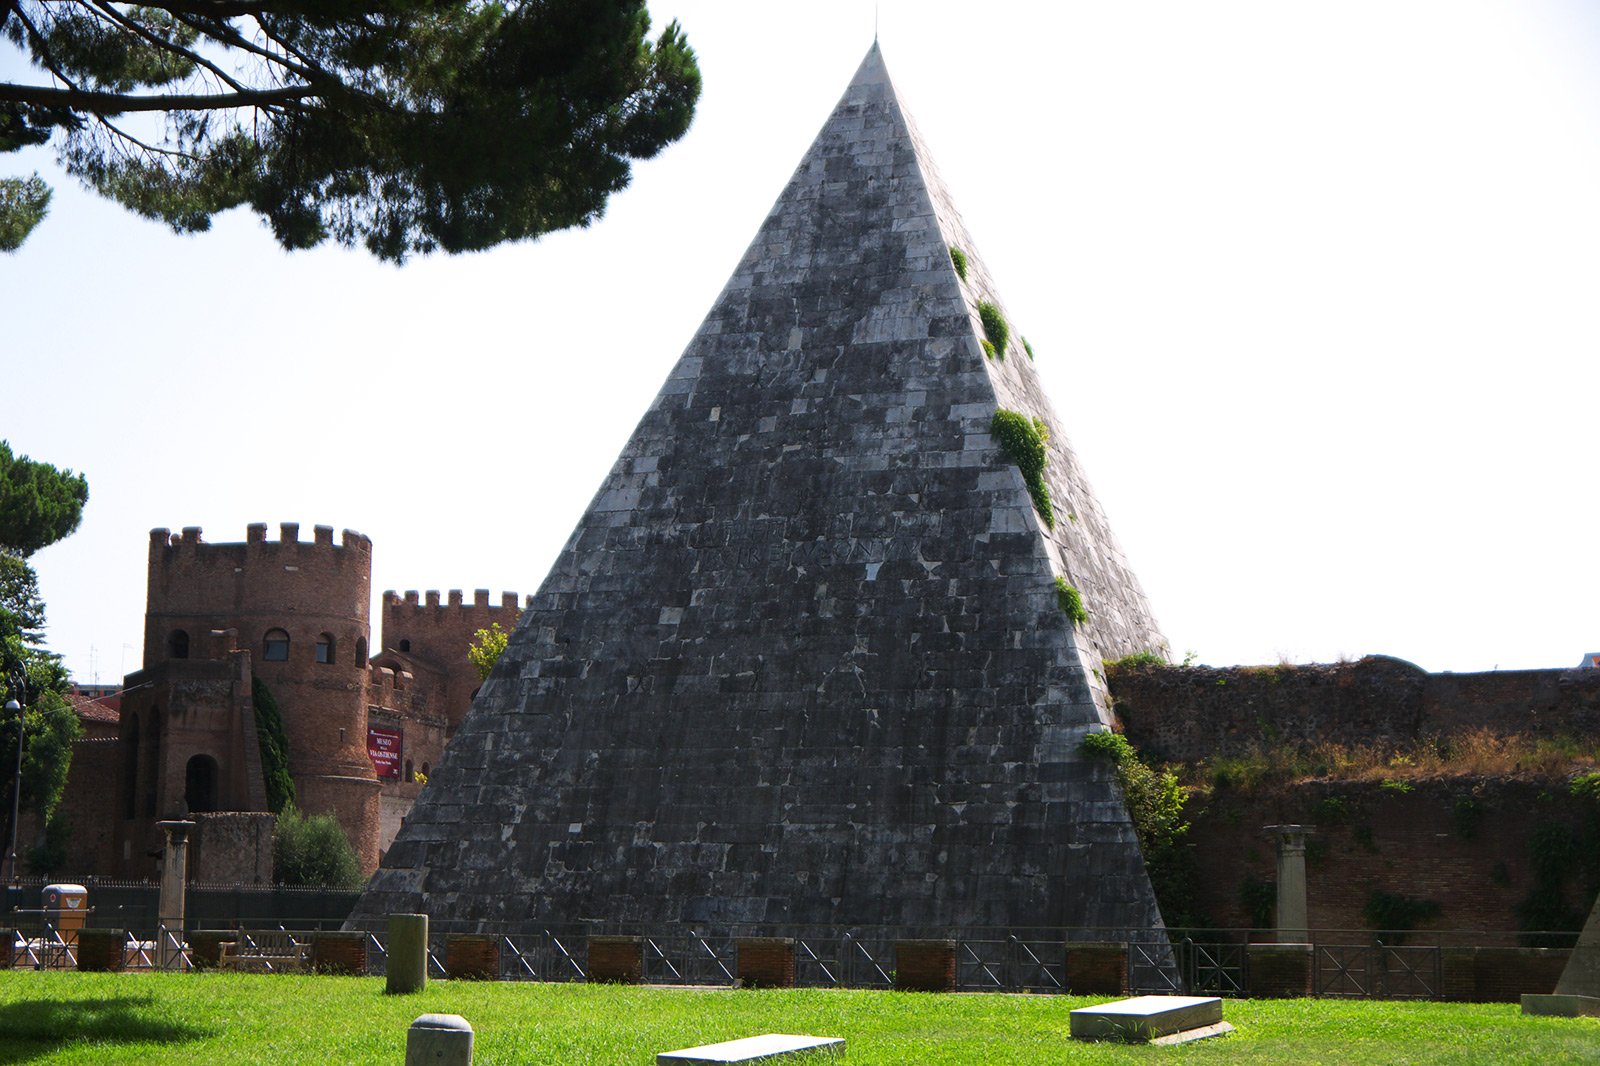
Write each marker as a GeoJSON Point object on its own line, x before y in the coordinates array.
{"type": "Point", "coordinates": [235, 1020]}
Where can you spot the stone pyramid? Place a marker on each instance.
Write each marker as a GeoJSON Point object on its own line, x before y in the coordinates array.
{"type": "Point", "coordinates": [804, 661]}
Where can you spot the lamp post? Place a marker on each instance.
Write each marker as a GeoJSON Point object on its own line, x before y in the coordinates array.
{"type": "Point", "coordinates": [13, 707]}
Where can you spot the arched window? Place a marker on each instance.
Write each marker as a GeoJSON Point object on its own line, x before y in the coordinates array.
{"type": "Point", "coordinates": [130, 769]}
{"type": "Point", "coordinates": [425, 770]}
{"type": "Point", "coordinates": [405, 645]}
{"type": "Point", "coordinates": [325, 648]}
{"type": "Point", "coordinates": [409, 775]}
{"type": "Point", "coordinates": [178, 644]}
{"type": "Point", "coordinates": [275, 648]}
{"type": "Point", "coordinates": [361, 651]}
{"type": "Point", "coordinates": [200, 784]}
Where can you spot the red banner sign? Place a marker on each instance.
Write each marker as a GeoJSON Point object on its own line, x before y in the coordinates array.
{"type": "Point", "coordinates": [384, 747]}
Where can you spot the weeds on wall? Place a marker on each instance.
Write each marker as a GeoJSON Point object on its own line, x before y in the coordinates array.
{"type": "Point", "coordinates": [994, 326]}
{"type": "Point", "coordinates": [1155, 802]}
{"type": "Point", "coordinates": [1394, 914]}
{"type": "Point", "coordinates": [1467, 817]}
{"type": "Point", "coordinates": [1565, 867]}
{"type": "Point", "coordinates": [1070, 600]}
{"type": "Point", "coordinates": [1027, 348]}
{"type": "Point", "coordinates": [959, 259]}
{"type": "Point", "coordinates": [988, 348]}
{"type": "Point", "coordinates": [274, 747]}
{"type": "Point", "coordinates": [1258, 899]}
{"type": "Point", "coordinates": [1022, 440]}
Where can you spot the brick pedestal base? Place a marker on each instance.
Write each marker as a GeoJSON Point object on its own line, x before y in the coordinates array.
{"type": "Point", "coordinates": [8, 938]}
{"type": "Point", "coordinates": [925, 965]}
{"type": "Point", "coordinates": [1279, 970]}
{"type": "Point", "coordinates": [616, 959]}
{"type": "Point", "coordinates": [765, 962]}
{"type": "Point", "coordinates": [339, 953]}
{"type": "Point", "coordinates": [1097, 969]}
{"type": "Point", "coordinates": [472, 957]}
{"type": "Point", "coordinates": [102, 950]}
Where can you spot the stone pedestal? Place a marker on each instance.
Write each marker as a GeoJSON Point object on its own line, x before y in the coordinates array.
{"type": "Point", "coordinates": [1279, 970]}
{"type": "Point", "coordinates": [1293, 927]}
{"type": "Point", "coordinates": [472, 957]}
{"type": "Point", "coordinates": [1097, 968]}
{"type": "Point", "coordinates": [765, 962]}
{"type": "Point", "coordinates": [174, 883]}
{"type": "Point", "coordinates": [102, 950]}
{"type": "Point", "coordinates": [408, 953]}
{"type": "Point", "coordinates": [341, 953]}
{"type": "Point", "coordinates": [439, 1040]}
{"type": "Point", "coordinates": [925, 965]}
{"type": "Point", "coordinates": [616, 959]}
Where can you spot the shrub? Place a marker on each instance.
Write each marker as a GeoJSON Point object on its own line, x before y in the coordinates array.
{"type": "Point", "coordinates": [1070, 601]}
{"type": "Point", "coordinates": [1023, 441]}
{"type": "Point", "coordinates": [994, 326]}
{"type": "Point", "coordinates": [959, 258]}
{"type": "Point", "coordinates": [1586, 786]}
{"type": "Point", "coordinates": [988, 349]}
{"type": "Point", "coordinates": [313, 851]}
{"type": "Point", "coordinates": [1259, 899]}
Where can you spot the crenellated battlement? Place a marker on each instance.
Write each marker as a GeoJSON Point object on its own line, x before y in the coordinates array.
{"type": "Point", "coordinates": [188, 544]}
{"type": "Point", "coordinates": [412, 607]}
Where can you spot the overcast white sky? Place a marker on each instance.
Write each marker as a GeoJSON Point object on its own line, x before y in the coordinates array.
{"type": "Point", "coordinates": [1313, 287]}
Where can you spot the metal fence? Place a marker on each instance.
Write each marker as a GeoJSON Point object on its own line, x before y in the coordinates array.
{"type": "Point", "coordinates": [1344, 963]}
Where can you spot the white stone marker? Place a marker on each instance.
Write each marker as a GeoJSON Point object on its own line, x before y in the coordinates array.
{"type": "Point", "coordinates": [1147, 1018]}
{"type": "Point", "coordinates": [766, 1048]}
{"type": "Point", "coordinates": [439, 1040]}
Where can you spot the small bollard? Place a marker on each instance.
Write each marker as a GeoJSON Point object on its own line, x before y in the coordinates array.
{"type": "Point", "coordinates": [408, 953]}
{"type": "Point", "coordinates": [439, 1040]}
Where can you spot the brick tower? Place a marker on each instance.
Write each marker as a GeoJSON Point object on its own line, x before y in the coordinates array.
{"type": "Point", "coordinates": [293, 613]}
{"type": "Point", "coordinates": [805, 659]}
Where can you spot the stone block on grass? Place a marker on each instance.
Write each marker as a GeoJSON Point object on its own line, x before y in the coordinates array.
{"type": "Point", "coordinates": [769, 1047]}
{"type": "Point", "coordinates": [1146, 1018]}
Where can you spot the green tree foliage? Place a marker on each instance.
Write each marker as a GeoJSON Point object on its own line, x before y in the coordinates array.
{"type": "Point", "coordinates": [404, 125]}
{"type": "Point", "coordinates": [313, 850]}
{"type": "Point", "coordinates": [274, 748]}
{"type": "Point", "coordinates": [39, 504]}
{"type": "Point", "coordinates": [23, 204]}
{"type": "Point", "coordinates": [486, 648]}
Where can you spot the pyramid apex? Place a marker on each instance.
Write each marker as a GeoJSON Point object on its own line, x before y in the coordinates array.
{"type": "Point", "coordinates": [872, 70]}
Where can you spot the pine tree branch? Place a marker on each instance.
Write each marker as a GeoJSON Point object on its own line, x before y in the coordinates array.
{"type": "Point", "coordinates": [112, 14]}
{"type": "Point", "coordinates": [101, 103]}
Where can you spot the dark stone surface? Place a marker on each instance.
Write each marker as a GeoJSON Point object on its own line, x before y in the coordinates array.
{"type": "Point", "coordinates": [801, 662]}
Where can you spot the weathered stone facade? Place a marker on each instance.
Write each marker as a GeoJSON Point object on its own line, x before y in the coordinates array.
{"type": "Point", "coordinates": [802, 661]}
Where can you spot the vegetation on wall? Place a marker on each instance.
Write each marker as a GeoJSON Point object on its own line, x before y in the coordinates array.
{"type": "Point", "coordinates": [1070, 600]}
{"type": "Point", "coordinates": [1027, 348]}
{"type": "Point", "coordinates": [1395, 914]}
{"type": "Point", "coordinates": [1155, 802]}
{"type": "Point", "coordinates": [274, 748]}
{"type": "Point", "coordinates": [994, 326]}
{"type": "Point", "coordinates": [1258, 898]}
{"type": "Point", "coordinates": [313, 851]}
{"type": "Point", "coordinates": [1565, 864]}
{"type": "Point", "coordinates": [959, 258]}
{"type": "Point", "coordinates": [1023, 441]}
{"type": "Point", "coordinates": [988, 348]}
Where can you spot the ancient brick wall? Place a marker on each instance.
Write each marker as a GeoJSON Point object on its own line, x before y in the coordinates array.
{"type": "Point", "coordinates": [1465, 844]}
{"type": "Point", "coordinates": [1182, 714]}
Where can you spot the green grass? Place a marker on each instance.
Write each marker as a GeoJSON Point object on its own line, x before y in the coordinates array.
{"type": "Point", "coordinates": [238, 1020]}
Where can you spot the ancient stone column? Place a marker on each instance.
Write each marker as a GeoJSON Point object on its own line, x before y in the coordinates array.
{"type": "Point", "coordinates": [170, 907]}
{"type": "Point", "coordinates": [408, 953]}
{"type": "Point", "coordinates": [1293, 926]}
